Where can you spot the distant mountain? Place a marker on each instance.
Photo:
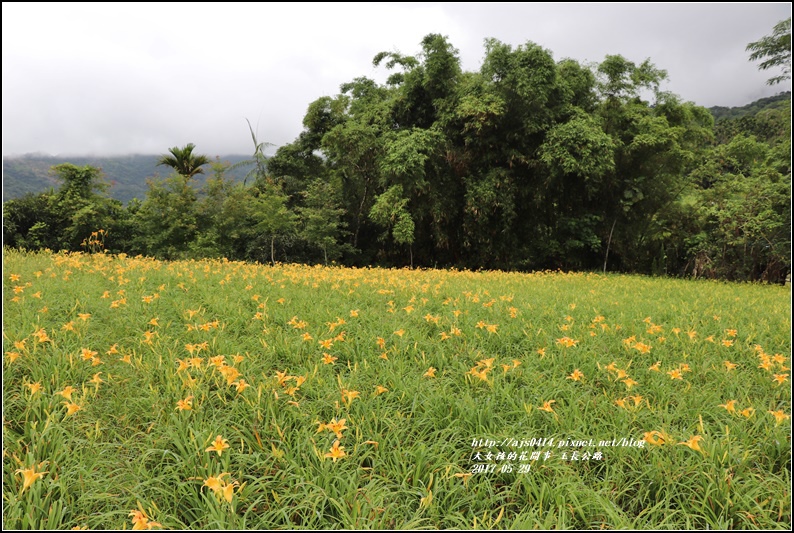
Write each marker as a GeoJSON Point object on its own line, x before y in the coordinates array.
{"type": "Point", "coordinates": [771, 102]}
{"type": "Point", "coordinates": [126, 174]}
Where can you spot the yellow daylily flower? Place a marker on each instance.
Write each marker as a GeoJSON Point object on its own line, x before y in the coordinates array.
{"type": "Point", "coordinates": [219, 445]}
{"type": "Point", "coordinates": [655, 438]}
{"type": "Point", "coordinates": [693, 443]}
{"type": "Point", "coordinates": [186, 404]}
{"type": "Point", "coordinates": [141, 522]}
{"type": "Point", "coordinates": [779, 415]}
{"type": "Point", "coordinates": [71, 408]}
{"type": "Point", "coordinates": [337, 452]}
{"type": "Point", "coordinates": [729, 406]}
{"type": "Point", "coordinates": [29, 476]}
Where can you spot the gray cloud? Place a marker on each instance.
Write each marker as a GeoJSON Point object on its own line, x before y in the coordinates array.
{"type": "Point", "coordinates": [139, 78]}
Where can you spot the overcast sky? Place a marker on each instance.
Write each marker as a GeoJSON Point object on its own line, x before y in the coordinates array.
{"type": "Point", "coordinates": [107, 79]}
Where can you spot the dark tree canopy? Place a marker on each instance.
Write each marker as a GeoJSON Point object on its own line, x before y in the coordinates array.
{"type": "Point", "coordinates": [528, 163]}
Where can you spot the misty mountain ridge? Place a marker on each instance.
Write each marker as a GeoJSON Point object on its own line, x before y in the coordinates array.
{"type": "Point", "coordinates": [721, 113]}
{"type": "Point", "coordinates": [127, 174]}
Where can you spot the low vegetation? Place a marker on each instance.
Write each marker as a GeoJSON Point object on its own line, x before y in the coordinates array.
{"type": "Point", "coordinates": [217, 394]}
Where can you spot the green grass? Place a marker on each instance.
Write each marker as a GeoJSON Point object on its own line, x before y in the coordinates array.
{"type": "Point", "coordinates": [407, 450]}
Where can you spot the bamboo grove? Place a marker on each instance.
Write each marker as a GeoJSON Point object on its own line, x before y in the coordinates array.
{"type": "Point", "coordinates": [530, 163]}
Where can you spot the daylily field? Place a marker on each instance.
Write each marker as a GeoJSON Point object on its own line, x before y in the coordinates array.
{"type": "Point", "coordinates": [211, 394]}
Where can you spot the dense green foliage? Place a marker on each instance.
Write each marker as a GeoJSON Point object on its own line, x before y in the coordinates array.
{"type": "Point", "coordinates": [529, 163]}
{"type": "Point", "coordinates": [778, 101]}
{"type": "Point", "coordinates": [775, 50]}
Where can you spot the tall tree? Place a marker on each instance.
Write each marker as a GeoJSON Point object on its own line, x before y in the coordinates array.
{"type": "Point", "coordinates": [776, 48]}
{"type": "Point", "coordinates": [321, 218]}
{"type": "Point", "coordinates": [274, 220]}
{"type": "Point", "coordinates": [258, 160]}
{"type": "Point", "coordinates": [184, 161]}
{"type": "Point", "coordinates": [167, 220]}
{"type": "Point", "coordinates": [62, 219]}
{"type": "Point", "coordinates": [390, 212]}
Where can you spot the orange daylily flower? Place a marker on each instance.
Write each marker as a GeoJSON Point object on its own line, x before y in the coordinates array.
{"type": "Point", "coordinates": [655, 437]}
{"type": "Point", "coordinates": [29, 476]}
{"type": "Point", "coordinates": [693, 443]}
{"type": "Point", "coordinates": [215, 483]}
{"type": "Point", "coordinates": [567, 342]}
{"type": "Point", "coordinates": [186, 404]}
{"type": "Point", "coordinates": [141, 522]}
{"type": "Point", "coordinates": [729, 406]}
{"type": "Point", "coordinates": [642, 348]}
{"type": "Point", "coordinates": [779, 415]}
{"type": "Point", "coordinates": [336, 426]}
{"type": "Point", "coordinates": [349, 395]}
{"type": "Point", "coordinates": [337, 452]}
{"type": "Point", "coordinates": [67, 392]}
{"type": "Point", "coordinates": [747, 413]}
{"type": "Point", "coordinates": [71, 408]}
{"type": "Point", "coordinates": [240, 385]}
{"type": "Point", "coordinates": [219, 445]}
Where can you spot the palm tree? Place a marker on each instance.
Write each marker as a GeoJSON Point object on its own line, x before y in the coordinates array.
{"type": "Point", "coordinates": [184, 161]}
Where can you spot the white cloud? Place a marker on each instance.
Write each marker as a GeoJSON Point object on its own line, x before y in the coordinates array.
{"type": "Point", "coordinates": [121, 78]}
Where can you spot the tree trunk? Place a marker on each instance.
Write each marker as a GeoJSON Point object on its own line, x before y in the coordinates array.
{"type": "Point", "coordinates": [609, 242]}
